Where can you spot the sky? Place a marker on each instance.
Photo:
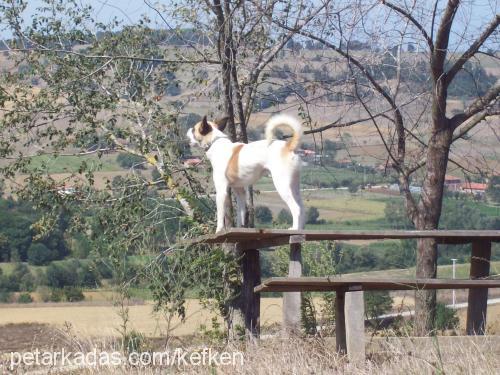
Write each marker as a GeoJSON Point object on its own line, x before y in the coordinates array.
{"type": "Point", "coordinates": [131, 11]}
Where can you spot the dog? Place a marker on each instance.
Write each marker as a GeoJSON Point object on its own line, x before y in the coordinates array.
{"type": "Point", "coordinates": [239, 165]}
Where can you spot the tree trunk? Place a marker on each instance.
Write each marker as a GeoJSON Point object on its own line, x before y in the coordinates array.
{"type": "Point", "coordinates": [429, 212]}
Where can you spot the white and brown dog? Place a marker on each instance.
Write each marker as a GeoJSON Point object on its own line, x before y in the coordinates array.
{"type": "Point", "coordinates": [238, 165]}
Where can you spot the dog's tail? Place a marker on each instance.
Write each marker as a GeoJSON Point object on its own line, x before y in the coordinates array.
{"type": "Point", "coordinates": [288, 121]}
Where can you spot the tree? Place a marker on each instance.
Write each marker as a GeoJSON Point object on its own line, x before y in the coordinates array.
{"type": "Point", "coordinates": [312, 215]}
{"type": "Point", "coordinates": [130, 161]}
{"type": "Point", "coordinates": [263, 215]}
{"type": "Point", "coordinates": [284, 217]}
{"type": "Point", "coordinates": [39, 254]}
{"type": "Point", "coordinates": [377, 303]}
{"type": "Point", "coordinates": [384, 98]}
{"type": "Point", "coordinates": [493, 189]}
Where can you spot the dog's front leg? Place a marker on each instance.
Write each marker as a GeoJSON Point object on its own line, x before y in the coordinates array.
{"type": "Point", "coordinates": [221, 201]}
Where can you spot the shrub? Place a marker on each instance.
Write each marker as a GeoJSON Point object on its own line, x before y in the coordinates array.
{"type": "Point", "coordinates": [284, 217]}
{"type": "Point", "coordinates": [446, 318]}
{"type": "Point", "coordinates": [73, 294]}
{"type": "Point", "coordinates": [88, 277]}
{"type": "Point", "coordinates": [56, 295]}
{"type": "Point", "coordinates": [44, 292]}
{"type": "Point", "coordinates": [263, 215]}
{"type": "Point", "coordinates": [130, 161]}
{"type": "Point", "coordinates": [312, 215]}
{"type": "Point", "coordinates": [377, 303]}
{"type": "Point", "coordinates": [24, 298]}
{"type": "Point", "coordinates": [39, 254]}
{"type": "Point", "coordinates": [5, 296]}
{"type": "Point", "coordinates": [105, 271]}
{"type": "Point", "coordinates": [59, 276]}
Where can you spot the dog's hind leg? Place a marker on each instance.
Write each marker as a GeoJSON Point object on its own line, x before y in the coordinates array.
{"type": "Point", "coordinates": [287, 184]}
{"type": "Point", "coordinates": [239, 192]}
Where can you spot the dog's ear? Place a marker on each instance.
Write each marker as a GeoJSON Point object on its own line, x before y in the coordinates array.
{"type": "Point", "coordinates": [205, 128]}
{"type": "Point", "coordinates": [221, 123]}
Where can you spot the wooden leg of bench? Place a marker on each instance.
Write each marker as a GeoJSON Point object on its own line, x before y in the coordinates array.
{"type": "Point", "coordinates": [340, 335]}
{"type": "Point", "coordinates": [478, 298]}
{"type": "Point", "coordinates": [291, 300]}
{"type": "Point", "coordinates": [251, 300]}
{"type": "Point", "coordinates": [355, 327]}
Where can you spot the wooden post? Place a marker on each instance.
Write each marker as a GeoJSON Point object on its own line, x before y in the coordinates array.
{"type": "Point", "coordinates": [251, 300]}
{"type": "Point", "coordinates": [291, 300]}
{"type": "Point", "coordinates": [355, 327]}
{"type": "Point", "coordinates": [478, 298]}
{"type": "Point", "coordinates": [340, 336]}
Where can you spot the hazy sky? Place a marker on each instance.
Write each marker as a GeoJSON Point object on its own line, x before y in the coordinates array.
{"type": "Point", "coordinates": [130, 12]}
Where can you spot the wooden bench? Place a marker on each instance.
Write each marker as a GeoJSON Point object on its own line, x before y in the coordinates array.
{"type": "Point", "coordinates": [342, 285]}
{"type": "Point", "coordinates": [249, 241]}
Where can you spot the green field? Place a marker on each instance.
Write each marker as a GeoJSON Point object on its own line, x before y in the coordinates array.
{"type": "Point", "coordinates": [462, 271]}
{"type": "Point", "coordinates": [70, 164]}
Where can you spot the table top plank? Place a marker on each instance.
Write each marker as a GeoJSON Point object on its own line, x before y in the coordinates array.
{"type": "Point", "coordinates": [263, 237]}
{"type": "Point", "coordinates": [332, 283]}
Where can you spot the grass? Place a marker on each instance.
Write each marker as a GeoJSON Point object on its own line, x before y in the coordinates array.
{"type": "Point", "coordinates": [337, 206]}
{"type": "Point", "coordinates": [299, 355]}
{"type": "Point", "coordinates": [70, 164]}
{"type": "Point", "coordinates": [444, 271]}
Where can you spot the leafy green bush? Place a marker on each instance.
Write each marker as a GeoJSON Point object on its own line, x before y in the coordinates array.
{"type": "Point", "coordinates": [24, 298]}
{"type": "Point", "coordinates": [59, 276]}
{"type": "Point", "coordinates": [263, 215]}
{"type": "Point", "coordinates": [127, 161]}
{"type": "Point", "coordinates": [39, 254]}
{"type": "Point", "coordinates": [312, 215]}
{"type": "Point", "coordinates": [446, 318]}
{"type": "Point", "coordinates": [284, 217]}
{"type": "Point", "coordinates": [5, 297]}
{"type": "Point", "coordinates": [73, 294]}
{"type": "Point", "coordinates": [377, 303]}
{"type": "Point", "coordinates": [56, 295]}
{"type": "Point", "coordinates": [88, 276]}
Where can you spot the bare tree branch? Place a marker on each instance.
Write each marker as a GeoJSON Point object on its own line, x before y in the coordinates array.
{"type": "Point", "coordinates": [116, 57]}
{"type": "Point", "coordinates": [473, 49]}
{"type": "Point", "coordinates": [413, 20]}
{"type": "Point", "coordinates": [442, 39]}
{"type": "Point", "coordinates": [480, 104]}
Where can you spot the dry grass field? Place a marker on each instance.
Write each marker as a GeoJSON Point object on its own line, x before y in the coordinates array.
{"type": "Point", "coordinates": [89, 319]}
{"type": "Point", "coordinates": [99, 319]}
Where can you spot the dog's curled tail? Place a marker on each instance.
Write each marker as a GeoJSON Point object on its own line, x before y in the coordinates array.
{"type": "Point", "coordinates": [288, 121]}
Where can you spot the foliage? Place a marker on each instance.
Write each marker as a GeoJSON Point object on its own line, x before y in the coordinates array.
{"type": "Point", "coordinates": [39, 254]}
{"type": "Point", "coordinates": [312, 215]}
{"type": "Point", "coordinates": [493, 189]}
{"type": "Point", "coordinates": [24, 298]}
{"type": "Point", "coordinates": [446, 318]}
{"type": "Point", "coordinates": [263, 215]}
{"type": "Point", "coordinates": [127, 161]}
{"type": "Point", "coordinates": [73, 294]}
{"type": "Point", "coordinates": [377, 303]}
{"type": "Point", "coordinates": [284, 217]}
{"type": "Point", "coordinates": [308, 314]}
{"type": "Point", "coordinates": [5, 296]}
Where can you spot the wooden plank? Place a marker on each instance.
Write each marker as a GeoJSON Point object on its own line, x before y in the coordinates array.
{"type": "Point", "coordinates": [478, 298]}
{"type": "Point", "coordinates": [272, 237]}
{"type": "Point", "coordinates": [286, 284]}
{"type": "Point", "coordinates": [292, 301]}
{"type": "Point", "coordinates": [355, 327]}
{"type": "Point", "coordinates": [340, 335]}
